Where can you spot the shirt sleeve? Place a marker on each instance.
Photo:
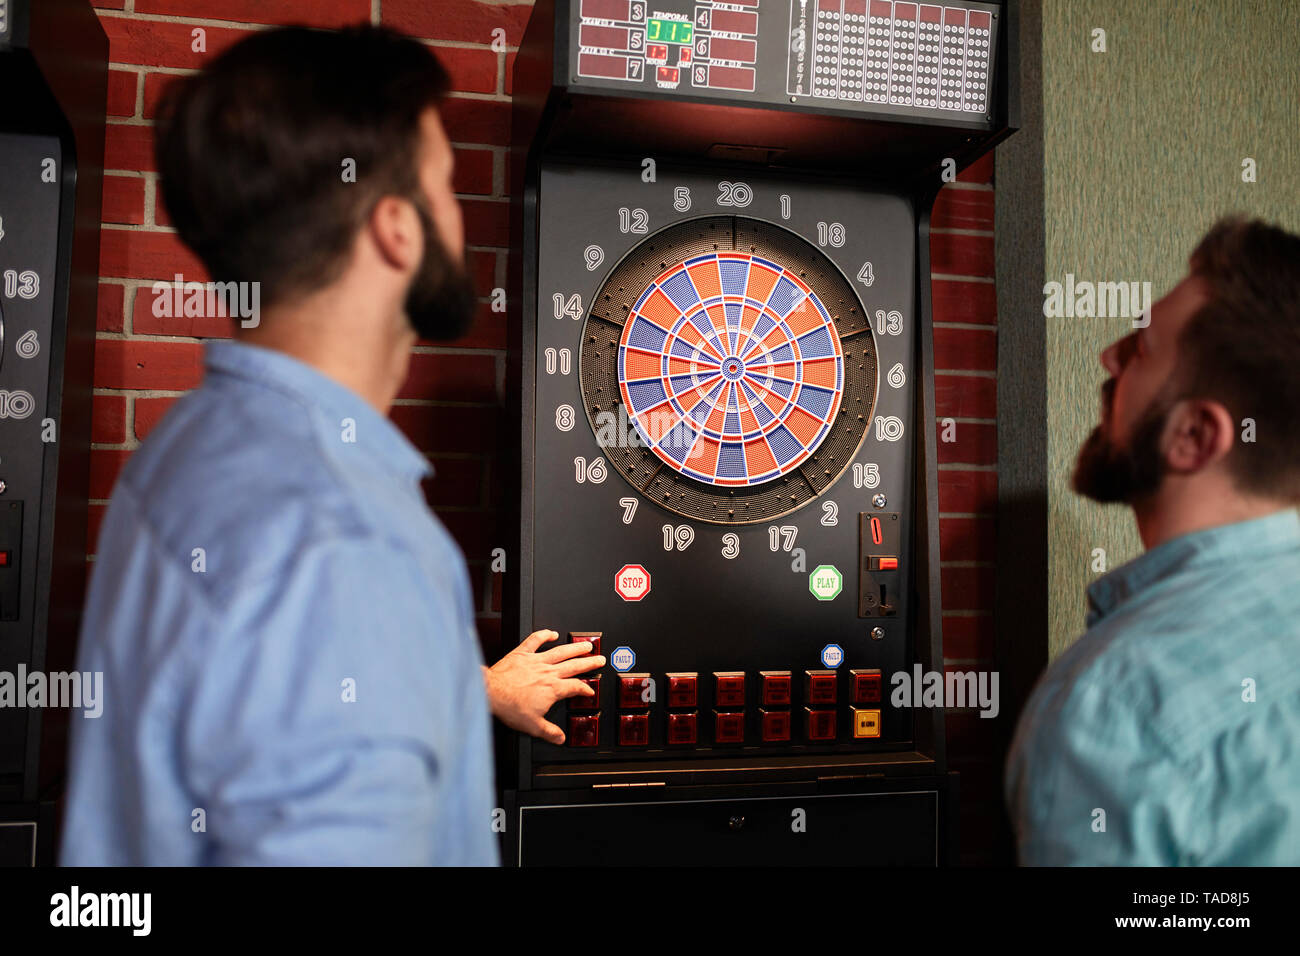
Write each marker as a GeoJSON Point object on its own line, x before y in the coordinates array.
{"type": "Point", "coordinates": [1089, 783]}
{"type": "Point", "coordinates": [317, 733]}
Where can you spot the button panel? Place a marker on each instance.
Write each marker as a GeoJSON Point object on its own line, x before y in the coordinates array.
{"type": "Point", "coordinates": [587, 703]}
{"type": "Point", "coordinates": [584, 730]}
{"type": "Point", "coordinates": [776, 688]}
{"type": "Point", "coordinates": [729, 688]}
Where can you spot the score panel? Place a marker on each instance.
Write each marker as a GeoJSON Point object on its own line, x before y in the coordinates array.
{"type": "Point", "coordinates": [876, 56]}
{"type": "Point", "coordinates": [746, 559]}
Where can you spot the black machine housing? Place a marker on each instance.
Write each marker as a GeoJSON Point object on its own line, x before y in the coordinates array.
{"type": "Point", "coordinates": [53, 89]}
{"type": "Point", "coordinates": [616, 180]}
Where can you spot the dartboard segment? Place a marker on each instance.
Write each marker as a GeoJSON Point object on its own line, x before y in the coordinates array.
{"type": "Point", "coordinates": [731, 369]}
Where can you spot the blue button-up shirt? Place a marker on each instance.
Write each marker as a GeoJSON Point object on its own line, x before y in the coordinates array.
{"type": "Point", "coordinates": [286, 636]}
{"type": "Point", "coordinates": [1170, 732]}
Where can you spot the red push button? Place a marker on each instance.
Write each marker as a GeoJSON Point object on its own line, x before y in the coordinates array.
{"type": "Point", "coordinates": [4, 559]}
{"type": "Point", "coordinates": [729, 688]}
{"type": "Point", "coordinates": [877, 563]}
{"type": "Point", "coordinates": [587, 703]}
{"type": "Point", "coordinates": [821, 724]}
{"type": "Point", "coordinates": [819, 687]}
{"type": "Point", "coordinates": [776, 725]}
{"type": "Point", "coordinates": [633, 730]}
{"type": "Point", "coordinates": [584, 730]}
{"type": "Point", "coordinates": [633, 691]}
{"type": "Point", "coordinates": [729, 728]}
{"type": "Point", "coordinates": [776, 688]}
{"type": "Point", "coordinates": [682, 729]}
{"type": "Point", "coordinates": [683, 690]}
{"type": "Point", "coordinates": [866, 686]}
{"type": "Point", "coordinates": [577, 637]}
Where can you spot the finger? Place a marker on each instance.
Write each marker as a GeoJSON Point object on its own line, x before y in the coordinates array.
{"type": "Point", "coordinates": [573, 688]}
{"type": "Point", "coordinates": [549, 732]}
{"type": "Point", "coordinates": [536, 639]}
{"type": "Point", "coordinates": [580, 665]}
{"type": "Point", "coordinates": [566, 651]}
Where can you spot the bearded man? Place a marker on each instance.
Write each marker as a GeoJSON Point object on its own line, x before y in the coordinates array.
{"type": "Point", "coordinates": [1169, 733]}
{"type": "Point", "coordinates": [286, 631]}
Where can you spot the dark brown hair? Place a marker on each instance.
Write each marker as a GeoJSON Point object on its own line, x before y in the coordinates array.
{"type": "Point", "coordinates": [251, 150]}
{"type": "Point", "coordinates": [1243, 348]}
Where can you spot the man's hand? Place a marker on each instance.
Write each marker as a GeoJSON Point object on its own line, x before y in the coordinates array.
{"type": "Point", "coordinates": [526, 683]}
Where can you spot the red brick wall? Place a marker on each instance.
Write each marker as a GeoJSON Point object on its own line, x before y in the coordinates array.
{"type": "Point", "coordinates": [453, 405]}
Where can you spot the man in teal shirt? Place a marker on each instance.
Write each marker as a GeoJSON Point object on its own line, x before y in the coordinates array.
{"type": "Point", "coordinates": [1169, 734]}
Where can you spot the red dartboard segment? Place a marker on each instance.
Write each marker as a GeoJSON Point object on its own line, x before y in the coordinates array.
{"type": "Point", "coordinates": [731, 369]}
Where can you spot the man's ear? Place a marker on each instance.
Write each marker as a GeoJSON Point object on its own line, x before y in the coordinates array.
{"type": "Point", "coordinates": [394, 228]}
{"type": "Point", "coordinates": [1198, 433]}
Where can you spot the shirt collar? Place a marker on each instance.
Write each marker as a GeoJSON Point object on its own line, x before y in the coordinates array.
{"type": "Point", "coordinates": [332, 400]}
{"type": "Point", "coordinates": [1241, 542]}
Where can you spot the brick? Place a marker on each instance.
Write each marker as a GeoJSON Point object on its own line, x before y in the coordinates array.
{"type": "Point", "coordinates": [477, 532]}
{"type": "Point", "coordinates": [974, 445]}
{"type": "Point", "coordinates": [965, 396]}
{"type": "Point", "coordinates": [127, 363]}
{"type": "Point", "coordinates": [510, 73]}
{"type": "Point", "coordinates": [472, 71]}
{"type": "Point", "coordinates": [149, 412]}
{"type": "Point", "coordinates": [317, 13]}
{"type": "Point", "coordinates": [129, 147]}
{"type": "Point", "coordinates": [137, 254]}
{"type": "Point", "coordinates": [961, 255]}
{"type": "Point", "coordinates": [967, 539]}
{"type": "Point", "coordinates": [963, 209]}
{"type": "Point", "coordinates": [144, 322]}
{"type": "Point", "coordinates": [968, 492]}
{"type": "Point", "coordinates": [473, 173]}
{"type": "Point", "coordinates": [94, 521]}
{"type": "Point", "coordinates": [160, 43]}
{"type": "Point", "coordinates": [451, 378]}
{"type": "Point", "coordinates": [965, 349]}
{"type": "Point", "coordinates": [485, 122]}
{"type": "Point", "coordinates": [105, 466]}
{"type": "Point", "coordinates": [110, 308]}
{"type": "Point", "coordinates": [122, 86]}
{"type": "Point", "coordinates": [456, 483]}
{"type": "Point", "coordinates": [109, 4]}
{"type": "Point", "coordinates": [487, 332]}
{"type": "Point", "coordinates": [482, 267]}
{"type": "Point", "coordinates": [967, 589]}
{"type": "Point", "coordinates": [467, 21]}
{"type": "Point", "coordinates": [155, 84]}
{"type": "Point", "coordinates": [969, 637]}
{"type": "Point", "coordinates": [123, 200]}
{"type": "Point", "coordinates": [970, 303]}
{"type": "Point", "coordinates": [108, 419]}
{"type": "Point", "coordinates": [489, 636]}
{"type": "Point", "coordinates": [486, 223]}
{"type": "Point", "coordinates": [443, 428]}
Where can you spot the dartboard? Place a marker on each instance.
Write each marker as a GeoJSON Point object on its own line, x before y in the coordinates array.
{"type": "Point", "coordinates": [728, 370]}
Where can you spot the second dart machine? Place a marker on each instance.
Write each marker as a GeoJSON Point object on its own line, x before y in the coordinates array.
{"type": "Point", "coordinates": [722, 363]}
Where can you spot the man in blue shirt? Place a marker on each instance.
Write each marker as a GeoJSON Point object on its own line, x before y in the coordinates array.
{"type": "Point", "coordinates": [286, 632]}
{"type": "Point", "coordinates": [1170, 732]}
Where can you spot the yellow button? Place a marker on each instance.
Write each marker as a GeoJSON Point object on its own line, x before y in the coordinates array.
{"type": "Point", "coordinates": [866, 723]}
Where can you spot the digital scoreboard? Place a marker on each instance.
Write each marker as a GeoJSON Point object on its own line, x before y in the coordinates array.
{"type": "Point", "coordinates": [721, 372]}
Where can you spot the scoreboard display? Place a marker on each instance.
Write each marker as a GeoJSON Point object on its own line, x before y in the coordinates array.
{"type": "Point", "coordinates": [722, 368]}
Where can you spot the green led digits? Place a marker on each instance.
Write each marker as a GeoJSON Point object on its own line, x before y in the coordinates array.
{"type": "Point", "coordinates": [668, 31]}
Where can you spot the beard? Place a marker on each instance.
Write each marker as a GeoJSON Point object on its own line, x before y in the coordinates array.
{"type": "Point", "coordinates": [1110, 474]}
{"type": "Point", "coordinates": [441, 301]}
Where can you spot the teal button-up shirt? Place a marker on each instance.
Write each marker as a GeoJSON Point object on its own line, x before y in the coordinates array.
{"type": "Point", "coordinates": [1170, 732]}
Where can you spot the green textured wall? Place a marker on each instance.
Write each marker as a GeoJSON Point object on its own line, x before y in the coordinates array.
{"type": "Point", "coordinates": [1143, 146]}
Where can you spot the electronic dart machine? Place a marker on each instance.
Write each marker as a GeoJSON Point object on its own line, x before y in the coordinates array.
{"type": "Point", "coordinates": [721, 354]}
{"type": "Point", "coordinates": [53, 87]}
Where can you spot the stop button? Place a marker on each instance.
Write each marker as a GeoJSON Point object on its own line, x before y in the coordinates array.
{"type": "Point", "coordinates": [632, 582]}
